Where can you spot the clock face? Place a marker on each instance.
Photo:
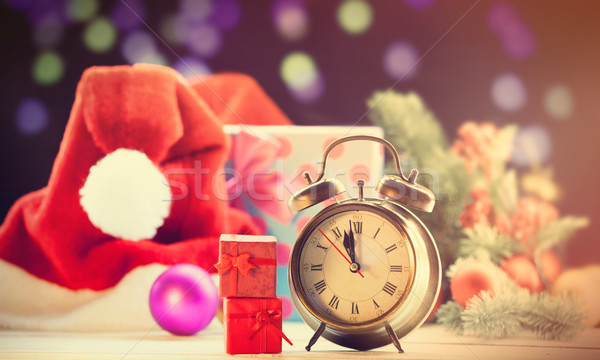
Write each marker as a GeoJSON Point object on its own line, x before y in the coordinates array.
{"type": "Point", "coordinates": [355, 265]}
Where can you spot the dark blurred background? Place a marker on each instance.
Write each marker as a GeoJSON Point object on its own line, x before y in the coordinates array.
{"type": "Point", "coordinates": [534, 63]}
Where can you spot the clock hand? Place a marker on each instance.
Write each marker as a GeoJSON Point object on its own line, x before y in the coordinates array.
{"type": "Point", "coordinates": [341, 253]}
{"type": "Point", "coordinates": [348, 246]}
{"type": "Point", "coordinates": [352, 252]}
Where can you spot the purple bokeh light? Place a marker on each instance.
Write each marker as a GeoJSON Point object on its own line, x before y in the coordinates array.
{"type": "Point", "coordinates": [400, 60]}
{"type": "Point", "coordinates": [191, 68]}
{"type": "Point", "coordinates": [508, 92]}
{"type": "Point", "coordinates": [226, 14]}
{"type": "Point", "coordinates": [519, 41]}
{"type": "Point", "coordinates": [290, 18]}
{"type": "Point", "coordinates": [129, 16]}
{"type": "Point", "coordinates": [32, 116]}
{"type": "Point", "coordinates": [311, 92]}
{"type": "Point", "coordinates": [517, 38]}
{"type": "Point", "coordinates": [138, 46]}
{"type": "Point", "coordinates": [204, 40]}
{"type": "Point", "coordinates": [419, 4]}
{"type": "Point", "coordinates": [48, 32]}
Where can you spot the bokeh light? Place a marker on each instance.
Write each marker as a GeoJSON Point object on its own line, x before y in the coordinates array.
{"type": "Point", "coordinates": [81, 10]}
{"type": "Point", "coordinates": [419, 4]}
{"type": "Point", "coordinates": [508, 92]}
{"type": "Point", "coordinates": [204, 40]}
{"type": "Point", "coordinates": [290, 18]}
{"type": "Point", "coordinates": [48, 68]}
{"type": "Point", "coordinates": [128, 15]}
{"type": "Point", "coordinates": [20, 5]}
{"type": "Point", "coordinates": [500, 16]}
{"type": "Point", "coordinates": [167, 29]}
{"type": "Point", "coordinates": [48, 32]}
{"type": "Point", "coordinates": [31, 117]}
{"type": "Point", "coordinates": [355, 16]}
{"type": "Point", "coordinates": [532, 146]}
{"type": "Point", "coordinates": [137, 46]}
{"type": "Point", "coordinates": [302, 77]}
{"type": "Point", "coordinates": [226, 14]}
{"type": "Point", "coordinates": [191, 68]}
{"type": "Point", "coordinates": [517, 38]}
{"type": "Point", "coordinates": [311, 92]}
{"type": "Point", "coordinates": [400, 60]}
{"type": "Point", "coordinates": [558, 102]}
{"type": "Point", "coordinates": [197, 10]}
{"type": "Point", "coordinates": [100, 35]}
{"type": "Point", "coordinates": [519, 42]}
{"type": "Point", "coordinates": [298, 70]}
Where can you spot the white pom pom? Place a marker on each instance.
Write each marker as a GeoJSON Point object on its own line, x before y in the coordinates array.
{"type": "Point", "coordinates": [126, 196]}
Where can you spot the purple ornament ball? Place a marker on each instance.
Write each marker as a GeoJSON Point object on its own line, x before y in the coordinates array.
{"type": "Point", "coordinates": [184, 299]}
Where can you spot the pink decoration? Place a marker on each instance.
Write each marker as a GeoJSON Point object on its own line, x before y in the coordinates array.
{"type": "Point", "coordinates": [283, 253]}
{"type": "Point", "coordinates": [255, 181]}
{"type": "Point", "coordinates": [287, 308]}
{"type": "Point", "coordinates": [360, 171]}
{"type": "Point", "coordinates": [184, 299]}
{"type": "Point", "coordinates": [260, 223]}
{"type": "Point", "coordinates": [301, 222]}
{"type": "Point", "coordinates": [285, 148]}
{"type": "Point", "coordinates": [298, 180]}
{"type": "Point", "coordinates": [337, 151]}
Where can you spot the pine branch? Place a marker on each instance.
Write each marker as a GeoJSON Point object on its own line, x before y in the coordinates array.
{"type": "Point", "coordinates": [559, 231]}
{"type": "Point", "coordinates": [487, 241]}
{"type": "Point", "coordinates": [492, 317]}
{"type": "Point", "coordinates": [553, 317]}
{"type": "Point", "coordinates": [449, 314]}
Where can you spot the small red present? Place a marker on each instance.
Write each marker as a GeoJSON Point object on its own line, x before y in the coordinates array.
{"type": "Point", "coordinates": [247, 266]}
{"type": "Point", "coordinates": [253, 325]}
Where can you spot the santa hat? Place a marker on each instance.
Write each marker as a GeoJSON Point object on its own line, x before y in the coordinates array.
{"type": "Point", "coordinates": [134, 189]}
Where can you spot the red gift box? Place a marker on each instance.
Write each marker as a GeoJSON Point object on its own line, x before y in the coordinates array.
{"type": "Point", "coordinates": [253, 325]}
{"type": "Point", "coordinates": [247, 266]}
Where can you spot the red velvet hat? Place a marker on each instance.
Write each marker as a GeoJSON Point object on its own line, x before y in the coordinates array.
{"type": "Point", "coordinates": [135, 187]}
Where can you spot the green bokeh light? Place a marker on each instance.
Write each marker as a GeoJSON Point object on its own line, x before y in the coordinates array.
{"type": "Point", "coordinates": [81, 10]}
{"type": "Point", "coordinates": [355, 16]}
{"type": "Point", "coordinates": [298, 70]}
{"type": "Point", "coordinates": [100, 35]}
{"type": "Point", "coordinates": [48, 68]}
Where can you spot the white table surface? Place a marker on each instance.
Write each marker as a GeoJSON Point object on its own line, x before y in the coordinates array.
{"type": "Point", "coordinates": [428, 342]}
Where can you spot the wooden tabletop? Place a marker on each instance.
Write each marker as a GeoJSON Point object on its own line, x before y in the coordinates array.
{"type": "Point", "coordinates": [428, 342]}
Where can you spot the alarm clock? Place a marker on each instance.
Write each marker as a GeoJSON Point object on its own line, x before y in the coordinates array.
{"type": "Point", "coordinates": [364, 272]}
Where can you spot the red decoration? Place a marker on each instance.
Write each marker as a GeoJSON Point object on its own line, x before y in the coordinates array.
{"type": "Point", "coordinates": [523, 272]}
{"type": "Point", "coordinates": [247, 266]}
{"type": "Point", "coordinates": [253, 326]}
{"type": "Point", "coordinates": [473, 278]}
{"type": "Point", "coordinates": [474, 145]}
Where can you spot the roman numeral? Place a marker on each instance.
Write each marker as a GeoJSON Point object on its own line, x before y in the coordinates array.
{"type": "Point", "coordinates": [396, 268]}
{"type": "Point", "coordinates": [375, 304]}
{"type": "Point", "coordinates": [376, 232]}
{"type": "Point", "coordinates": [355, 308]}
{"type": "Point", "coordinates": [358, 227]}
{"type": "Point", "coordinates": [321, 247]}
{"type": "Point", "coordinates": [320, 286]}
{"type": "Point", "coordinates": [391, 248]}
{"type": "Point", "coordinates": [336, 232]}
{"type": "Point", "coordinates": [334, 302]}
{"type": "Point", "coordinates": [389, 288]}
{"type": "Point", "coordinates": [318, 267]}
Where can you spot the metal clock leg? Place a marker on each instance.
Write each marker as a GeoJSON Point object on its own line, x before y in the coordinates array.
{"type": "Point", "coordinates": [316, 336]}
{"type": "Point", "coordinates": [394, 338]}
